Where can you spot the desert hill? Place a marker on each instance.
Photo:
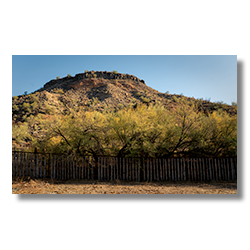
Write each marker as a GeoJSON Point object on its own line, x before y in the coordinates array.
{"type": "Point", "coordinates": [98, 90]}
{"type": "Point", "coordinates": [107, 113]}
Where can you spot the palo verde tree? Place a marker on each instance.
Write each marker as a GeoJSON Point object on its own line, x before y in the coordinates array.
{"type": "Point", "coordinates": [144, 131]}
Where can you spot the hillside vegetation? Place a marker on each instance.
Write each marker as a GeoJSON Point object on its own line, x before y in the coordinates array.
{"type": "Point", "coordinates": [108, 113]}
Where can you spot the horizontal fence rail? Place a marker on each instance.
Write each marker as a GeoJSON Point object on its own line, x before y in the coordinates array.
{"type": "Point", "coordinates": [61, 167]}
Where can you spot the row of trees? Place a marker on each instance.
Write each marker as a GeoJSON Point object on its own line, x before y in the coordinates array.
{"type": "Point", "coordinates": [147, 131]}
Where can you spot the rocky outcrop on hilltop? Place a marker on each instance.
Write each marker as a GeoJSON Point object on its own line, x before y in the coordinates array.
{"type": "Point", "coordinates": [87, 79]}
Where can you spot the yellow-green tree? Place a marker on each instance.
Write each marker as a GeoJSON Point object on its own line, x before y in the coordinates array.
{"type": "Point", "coordinates": [145, 131]}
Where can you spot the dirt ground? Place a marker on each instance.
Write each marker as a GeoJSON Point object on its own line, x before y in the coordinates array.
{"type": "Point", "coordinates": [20, 186]}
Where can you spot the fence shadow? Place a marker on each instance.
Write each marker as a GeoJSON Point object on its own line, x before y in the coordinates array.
{"type": "Point", "coordinates": [133, 183]}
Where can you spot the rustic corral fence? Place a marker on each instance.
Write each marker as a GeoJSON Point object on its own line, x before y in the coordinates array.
{"type": "Point", "coordinates": [61, 167]}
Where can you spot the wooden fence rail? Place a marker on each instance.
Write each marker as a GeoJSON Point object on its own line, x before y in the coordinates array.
{"type": "Point", "coordinates": [63, 167]}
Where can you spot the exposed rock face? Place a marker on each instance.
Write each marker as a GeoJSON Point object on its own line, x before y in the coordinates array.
{"type": "Point", "coordinates": [88, 79]}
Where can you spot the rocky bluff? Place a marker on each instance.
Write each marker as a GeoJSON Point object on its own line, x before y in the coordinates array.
{"type": "Point", "coordinates": [90, 75]}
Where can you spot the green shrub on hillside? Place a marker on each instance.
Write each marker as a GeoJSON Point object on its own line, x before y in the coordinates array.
{"type": "Point", "coordinates": [120, 105]}
{"type": "Point", "coordinates": [145, 99]}
{"type": "Point", "coordinates": [26, 105]}
{"type": "Point", "coordinates": [34, 106]}
{"type": "Point", "coordinates": [21, 133]}
{"type": "Point", "coordinates": [174, 99]}
{"type": "Point", "coordinates": [115, 72]}
{"type": "Point", "coordinates": [138, 94]}
{"type": "Point", "coordinates": [60, 91]}
{"type": "Point", "coordinates": [58, 77]}
{"type": "Point", "coordinates": [15, 108]}
{"type": "Point", "coordinates": [95, 101]}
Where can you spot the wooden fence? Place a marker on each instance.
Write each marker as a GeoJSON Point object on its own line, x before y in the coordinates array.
{"type": "Point", "coordinates": [63, 167]}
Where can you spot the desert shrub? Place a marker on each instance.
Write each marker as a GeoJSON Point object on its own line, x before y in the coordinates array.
{"type": "Point", "coordinates": [95, 75]}
{"type": "Point", "coordinates": [95, 101]}
{"type": "Point", "coordinates": [115, 72]}
{"type": "Point", "coordinates": [20, 133]}
{"type": "Point", "coordinates": [15, 108]}
{"type": "Point", "coordinates": [35, 98]}
{"type": "Point", "coordinates": [120, 106]}
{"type": "Point", "coordinates": [25, 92]}
{"type": "Point", "coordinates": [26, 105]}
{"type": "Point", "coordinates": [24, 117]}
{"type": "Point", "coordinates": [60, 91]}
{"type": "Point", "coordinates": [86, 71]}
{"type": "Point", "coordinates": [167, 92]}
{"type": "Point", "coordinates": [174, 99]}
{"type": "Point", "coordinates": [138, 94]}
{"type": "Point", "coordinates": [15, 97]}
{"type": "Point", "coordinates": [69, 75]}
{"type": "Point", "coordinates": [34, 105]}
{"type": "Point", "coordinates": [145, 99]}
{"type": "Point", "coordinates": [234, 106]}
{"type": "Point", "coordinates": [58, 77]}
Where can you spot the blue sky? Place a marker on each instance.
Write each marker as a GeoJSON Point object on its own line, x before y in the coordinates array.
{"type": "Point", "coordinates": [207, 77]}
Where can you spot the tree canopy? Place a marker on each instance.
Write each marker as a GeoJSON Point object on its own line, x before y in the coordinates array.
{"type": "Point", "coordinates": [144, 131]}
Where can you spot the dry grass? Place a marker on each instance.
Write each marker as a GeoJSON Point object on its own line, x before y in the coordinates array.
{"type": "Point", "coordinates": [20, 186]}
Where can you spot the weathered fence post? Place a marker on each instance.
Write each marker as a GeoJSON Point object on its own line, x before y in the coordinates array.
{"type": "Point", "coordinates": [127, 167]}
{"type": "Point", "coordinates": [98, 166]}
{"type": "Point", "coordinates": [136, 169]}
{"type": "Point", "coordinates": [40, 165]}
{"type": "Point", "coordinates": [188, 170]}
{"type": "Point", "coordinates": [45, 167]}
{"type": "Point", "coordinates": [147, 170]}
{"type": "Point", "coordinates": [178, 169]}
{"type": "Point", "coordinates": [105, 168]}
{"type": "Point", "coordinates": [181, 169]}
{"type": "Point", "coordinates": [13, 164]}
{"type": "Point", "coordinates": [92, 167]}
{"type": "Point", "coordinates": [232, 169]}
{"type": "Point", "coordinates": [111, 169]}
{"type": "Point", "coordinates": [184, 169]}
{"type": "Point", "coordinates": [220, 170]}
{"type": "Point", "coordinates": [55, 168]}
{"type": "Point", "coordinates": [168, 170]}
{"type": "Point", "coordinates": [215, 169]}
{"type": "Point", "coordinates": [235, 167]}
{"type": "Point", "coordinates": [123, 168]}
{"type": "Point", "coordinates": [112, 163]}
{"type": "Point", "coordinates": [197, 169]}
{"type": "Point", "coordinates": [24, 164]}
{"type": "Point", "coordinates": [209, 170]}
{"type": "Point", "coordinates": [228, 169]}
{"type": "Point", "coordinates": [192, 169]}
{"type": "Point", "coordinates": [151, 170]}
{"type": "Point", "coordinates": [225, 168]}
{"type": "Point", "coordinates": [37, 165]}
{"type": "Point", "coordinates": [172, 168]}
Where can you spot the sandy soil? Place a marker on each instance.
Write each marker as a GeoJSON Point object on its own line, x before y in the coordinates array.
{"type": "Point", "coordinates": [20, 186]}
